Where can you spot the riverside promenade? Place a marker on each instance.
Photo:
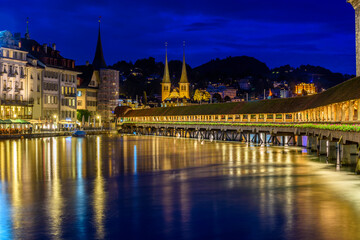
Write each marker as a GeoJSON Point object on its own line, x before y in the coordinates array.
{"type": "Point", "coordinates": [52, 134]}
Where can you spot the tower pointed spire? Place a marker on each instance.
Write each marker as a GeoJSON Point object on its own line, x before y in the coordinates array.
{"type": "Point", "coordinates": [27, 35]}
{"type": "Point", "coordinates": [99, 61]}
{"type": "Point", "coordinates": [184, 78]}
{"type": "Point", "coordinates": [166, 77]}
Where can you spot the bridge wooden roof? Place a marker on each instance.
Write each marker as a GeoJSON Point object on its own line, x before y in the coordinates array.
{"type": "Point", "coordinates": [345, 91]}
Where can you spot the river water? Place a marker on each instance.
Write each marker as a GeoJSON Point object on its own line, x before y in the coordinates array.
{"type": "Point", "coordinates": [144, 187]}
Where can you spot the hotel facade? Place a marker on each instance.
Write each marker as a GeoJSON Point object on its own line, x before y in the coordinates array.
{"type": "Point", "coordinates": [36, 83]}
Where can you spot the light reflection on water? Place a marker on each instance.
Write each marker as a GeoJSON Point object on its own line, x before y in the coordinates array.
{"type": "Point", "coordinates": [103, 187]}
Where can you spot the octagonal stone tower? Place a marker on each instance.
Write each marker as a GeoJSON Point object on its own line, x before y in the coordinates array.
{"type": "Point", "coordinates": [356, 6]}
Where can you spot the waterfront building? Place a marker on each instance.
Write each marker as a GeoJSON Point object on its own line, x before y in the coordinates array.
{"type": "Point", "coordinates": [34, 71]}
{"type": "Point", "coordinates": [174, 94]}
{"type": "Point", "coordinates": [308, 88]}
{"type": "Point", "coordinates": [16, 89]}
{"type": "Point", "coordinates": [98, 86]}
{"type": "Point", "coordinates": [87, 88]}
{"type": "Point", "coordinates": [58, 84]}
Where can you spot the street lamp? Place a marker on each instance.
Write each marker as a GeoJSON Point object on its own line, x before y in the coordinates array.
{"type": "Point", "coordinates": [55, 124]}
{"type": "Point", "coordinates": [99, 117]}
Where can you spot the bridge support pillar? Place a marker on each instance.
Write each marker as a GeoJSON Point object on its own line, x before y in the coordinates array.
{"type": "Point", "coordinates": [290, 140]}
{"type": "Point", "coordinates": [308, 142]}
{"type": "Point", "coordinates": [262, 137]}
{"type": "Point", "coordinates": [299, 142]}
{"type": "Point", "coordinates": [348, 154]}
{"type": "Point", "coordinates": [323, 147]}
{"type": "Point", "coordinates": [357, 170]}
{"type": "Point", "coordinates": [248, 139]}
{"type": "Point", "coordinates": [338, 156]}
{"type": "Point", "coordinates": [331, 151]}
{"type": "Point", "coordinates": [283, 140]}
{"type": "Point", "coordinates": [311, 144]}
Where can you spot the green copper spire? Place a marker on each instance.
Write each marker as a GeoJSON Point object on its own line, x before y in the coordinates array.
{"type": "Point", "coordinates": [166, 77]}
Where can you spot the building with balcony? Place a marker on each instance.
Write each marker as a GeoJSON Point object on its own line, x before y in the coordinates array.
{"type": "Point", "coordinates": [58, 82]}
{"type": "Point", "coordinates": [16, 98]}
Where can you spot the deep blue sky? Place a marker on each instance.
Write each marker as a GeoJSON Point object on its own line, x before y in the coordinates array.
{"type": "Point", "coordinates": [277, 32]}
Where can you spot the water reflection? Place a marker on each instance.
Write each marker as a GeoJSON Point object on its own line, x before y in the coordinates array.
{"type": "Point", "coordinates": [105, 186]}
{"type": "Point", "coordinates": [99, 195]}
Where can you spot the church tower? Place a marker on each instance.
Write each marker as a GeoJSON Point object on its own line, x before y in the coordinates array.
{"type": "Point", "coordinates": [99, 60]}
{"type": "Point", "coordinates": [184, 83]}
{"type": "Point", "coordinates": [166, 83]}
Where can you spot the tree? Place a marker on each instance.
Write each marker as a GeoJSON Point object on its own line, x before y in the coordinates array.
{"type": "Point", "coordinates": [83, 112]}
{"type": "Point", "coordinates": [201, 95]}
{"type": "Point", "coordinates": [206, 95]}
{"type": "Point", "coordinates": [198, 95]}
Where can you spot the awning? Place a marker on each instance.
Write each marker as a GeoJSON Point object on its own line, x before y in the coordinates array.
{"type": "Point", "coordinates": [15, 121]}
{"type": "Point", "coordinates": [19, 121]}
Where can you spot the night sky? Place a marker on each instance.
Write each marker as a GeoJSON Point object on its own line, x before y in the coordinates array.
{"type": "Point", "coordinates": [277, 32]}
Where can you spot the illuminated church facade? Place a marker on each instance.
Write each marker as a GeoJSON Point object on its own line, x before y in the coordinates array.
{"type": "Point", "coordinates": [169, 93]}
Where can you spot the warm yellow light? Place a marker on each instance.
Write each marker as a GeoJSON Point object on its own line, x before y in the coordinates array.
{"type": "Point", "coordinates": [55, 116]}
{"type": "Point", "coordinates": [15, 115]}
{"type": "Point", "coordinates": [98, 117]}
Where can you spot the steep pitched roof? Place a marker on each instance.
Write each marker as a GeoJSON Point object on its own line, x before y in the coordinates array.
{"type": "Point", "coordinates": [166, 77]}
{"type": "Point", "coordinates": [86, 75]}
{"type": "Point", "coordinates": [99, 61]}
{"type": "Point", "coordinates": [184, 78]}
{"type": "Point", "coordinates": [45, 53]}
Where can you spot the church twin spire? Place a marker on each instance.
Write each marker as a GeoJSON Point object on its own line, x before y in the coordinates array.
{"type": "Point", "coordinates": [183, 92]}
{"type": "Point", "coordinates": [184, 78]}
{"type": "Point", "coordinates": [166, 77]}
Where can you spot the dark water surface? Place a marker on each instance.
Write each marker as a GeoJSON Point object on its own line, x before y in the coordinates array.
{"type": "Point", "coordinates": [137, 187]}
